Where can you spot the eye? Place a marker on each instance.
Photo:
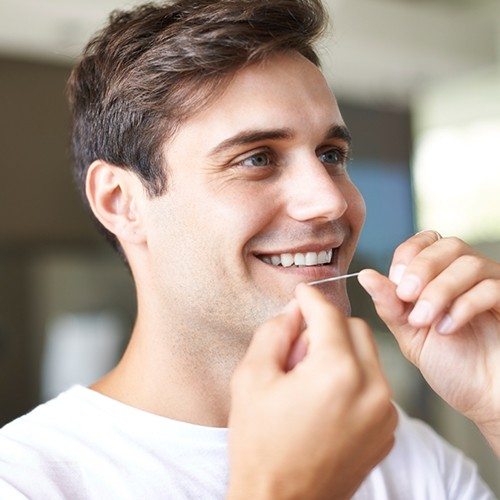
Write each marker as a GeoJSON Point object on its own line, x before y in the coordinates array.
{"type": "Point", "coordinates": [261, 159]}
{"type": "Point", "coordinates": [333, 156]}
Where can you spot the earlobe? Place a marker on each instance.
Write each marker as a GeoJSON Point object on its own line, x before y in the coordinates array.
{"type": "Point", "coordinates": [113, 194]}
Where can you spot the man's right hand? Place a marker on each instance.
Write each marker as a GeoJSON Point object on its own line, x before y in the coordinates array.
{"type": "Point", "coordinates": [317, 430]}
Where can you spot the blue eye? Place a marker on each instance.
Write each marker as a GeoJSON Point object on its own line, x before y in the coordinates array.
{"type": "Point", "coordinates": [257, 160]}
{"type": "Point", "coordinates": [333, 157]}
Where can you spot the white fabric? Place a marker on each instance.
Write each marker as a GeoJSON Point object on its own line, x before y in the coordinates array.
{"type": "Point", "coordinates": [83, 445]}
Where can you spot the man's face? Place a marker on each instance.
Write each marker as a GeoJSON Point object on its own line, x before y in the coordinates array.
{"type": "Point", "coordinates": [255, 179]}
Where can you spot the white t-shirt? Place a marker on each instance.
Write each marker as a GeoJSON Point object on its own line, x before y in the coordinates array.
{"type": "Point", "coordinates": [83, 445]}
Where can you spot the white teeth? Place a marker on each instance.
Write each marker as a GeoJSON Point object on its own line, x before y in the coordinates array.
{"type": "Point", "coordinates": [286, 259]}
{"type": "Point", "coordinates": [300, 259]}
{"type": "Point", "coordinates": [311, 259]}
{"type": "Point", "coordinates": [322, 257]}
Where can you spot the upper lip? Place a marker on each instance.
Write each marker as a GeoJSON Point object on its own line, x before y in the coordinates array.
{"type": "Point", "coordinates": [306, 247]}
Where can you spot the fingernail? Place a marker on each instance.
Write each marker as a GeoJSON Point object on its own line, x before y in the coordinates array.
{"type": "Point", "coordinates": [290, 306]}
{"type": "Point", "coordinates": [421, 312]}
{"type": "Point", "coordinates": [396, 273]}
{"type": "Point", "coordinates": [409, 286]}
{"type": "Point", "coordinates": [445, 325]}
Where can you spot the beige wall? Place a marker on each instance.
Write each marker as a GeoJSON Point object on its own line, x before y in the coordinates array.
{"type": "Point", "coordinates": [37, 202]}
{"type": "Point", "coordinates": [39, 209]}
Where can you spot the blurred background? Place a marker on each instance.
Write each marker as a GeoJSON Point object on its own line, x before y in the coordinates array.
{"type": "Point", "coordinates": [418, 84]}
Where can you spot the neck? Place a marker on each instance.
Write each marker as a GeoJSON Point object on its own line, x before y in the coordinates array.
{"type": "Point", "coordinates": [175, 374]}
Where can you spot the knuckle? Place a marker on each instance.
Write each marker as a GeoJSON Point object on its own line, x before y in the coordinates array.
{"type": "Point", "coordinates": [467, 305]}
{"type": "Point", "coordinates": [474, 262]}
{"type": "Point", "coordinates": [345, 376]}
{"type": "Point", "coordinates": [454, 244]}
{"type": "Point", "coordinates": [381, 399]}
{"type": "Point", "coordinates": [401, 252]}
{"type": "Point", "coordinates": [437, 293]}
{"type": "Point", "coordinates": [423, 263]}
{"type": "Point", "coordinates": [406, 251]}
{"type": "Point", "coordinates": [492, 287]}
{"type": "Point", "coordinates": [352, 377]}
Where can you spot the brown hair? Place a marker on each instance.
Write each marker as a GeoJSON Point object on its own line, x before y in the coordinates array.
{"type": "Point", "coordinates": [153, 66]}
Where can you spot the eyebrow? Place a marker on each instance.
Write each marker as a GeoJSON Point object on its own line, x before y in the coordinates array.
{"type": "Point", "coordinates": [256, 135]}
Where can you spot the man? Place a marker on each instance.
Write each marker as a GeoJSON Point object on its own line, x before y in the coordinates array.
{"type": "Point", "coordinates": [213, 156]}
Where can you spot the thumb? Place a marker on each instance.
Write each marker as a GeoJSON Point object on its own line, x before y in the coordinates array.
{"type": "Point", "coordinates": [391, 309]}
{"type": "Point", "coordinates": [272, 342]}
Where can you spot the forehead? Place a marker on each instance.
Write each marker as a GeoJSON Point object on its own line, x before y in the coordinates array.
{"type": "Point", "coordinates": [284, 91]}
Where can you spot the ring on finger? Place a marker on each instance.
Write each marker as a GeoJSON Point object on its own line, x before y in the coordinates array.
{"type": "Point", "coordinates": [438, 236]}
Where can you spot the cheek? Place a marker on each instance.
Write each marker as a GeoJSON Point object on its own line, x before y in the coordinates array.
{"type": "Point", "coordinates": [355, 217]}
{"type": "Point", "coordinates": [170, 229]}
{"type": "Point", "coordinates": [356, 211]}
{"type": "Point", "coordinates": [241, 215]}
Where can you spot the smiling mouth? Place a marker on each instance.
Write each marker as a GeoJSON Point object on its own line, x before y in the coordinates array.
{"type": "Point", "coordinates": [305, 267]}
{"type": "Point", "coordinates": [323, 258]}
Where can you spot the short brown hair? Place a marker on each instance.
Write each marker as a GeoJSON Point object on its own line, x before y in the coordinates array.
{"type": "Point", "coordinates": [152, 67]}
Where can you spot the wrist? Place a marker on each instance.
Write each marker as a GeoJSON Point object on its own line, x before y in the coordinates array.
{"type": "Point", "coordinates": [272, 488]}
{"type": "Point", "coordinates": [243, 490]}
{"type": "Point", "coordinates": [264, 487]}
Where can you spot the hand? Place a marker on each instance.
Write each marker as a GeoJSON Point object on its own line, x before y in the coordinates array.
{"type": "Point", "coordinates": [317, 430]}
{"type": "Point", "coordinates": [442, 303]}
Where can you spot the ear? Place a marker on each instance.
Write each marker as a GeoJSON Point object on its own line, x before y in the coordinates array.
{"type": "Point", "coordinates": [115, 195]}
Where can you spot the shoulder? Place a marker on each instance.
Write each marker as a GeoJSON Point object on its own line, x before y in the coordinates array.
{"type": "Point", "coordinates": [34, 450]}
{"type": "Point", "coordinates": [423, 465]}
{"type": "Point", "coordinates": [40, 428]}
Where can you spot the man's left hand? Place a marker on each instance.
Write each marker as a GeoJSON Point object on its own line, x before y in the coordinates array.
{"type": "Point", "coordinates": [442, 303]}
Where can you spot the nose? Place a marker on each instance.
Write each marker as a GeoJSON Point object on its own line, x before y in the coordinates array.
{"type": "Point", "coordinates": [313, 193]}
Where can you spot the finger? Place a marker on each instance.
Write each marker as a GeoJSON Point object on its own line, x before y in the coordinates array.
{"type": "Point", "coordinates": [407, 250]}
{"type": "Point", "coordinates": [428, 264]}
{"type": "Point", "coordinates": [392, 310]}
{"type": "Point", "coordinates": [298, 352]}
{"type": "Point", "coordinates": [326, 325]}
{"type": "Point", "coordinates": [271, 343]}
{"type": "Point", "coordinates": [366, 352]}
{"type": "Point", "coordinates": [461, 275]}
{"type": "Point", "coordinates": [485, 296]}
{"type": "Point", "coordinates": [364, 344]}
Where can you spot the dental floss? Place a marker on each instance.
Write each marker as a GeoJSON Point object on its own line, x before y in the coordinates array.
{"type": "Point", "coordinates": [332, 279]}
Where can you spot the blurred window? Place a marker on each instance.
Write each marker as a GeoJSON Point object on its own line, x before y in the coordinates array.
{"type": "Point", "coordinates": [457, 180]}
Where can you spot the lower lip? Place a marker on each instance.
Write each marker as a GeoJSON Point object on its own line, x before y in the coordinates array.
{"type": "Point", "coordinates": [309, 273]}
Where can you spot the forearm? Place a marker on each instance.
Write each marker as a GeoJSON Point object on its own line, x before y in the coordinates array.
{"type": "Point", "coordinates": [258, 490]}
{"type": "Point", "coordinates": [238, 491]}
